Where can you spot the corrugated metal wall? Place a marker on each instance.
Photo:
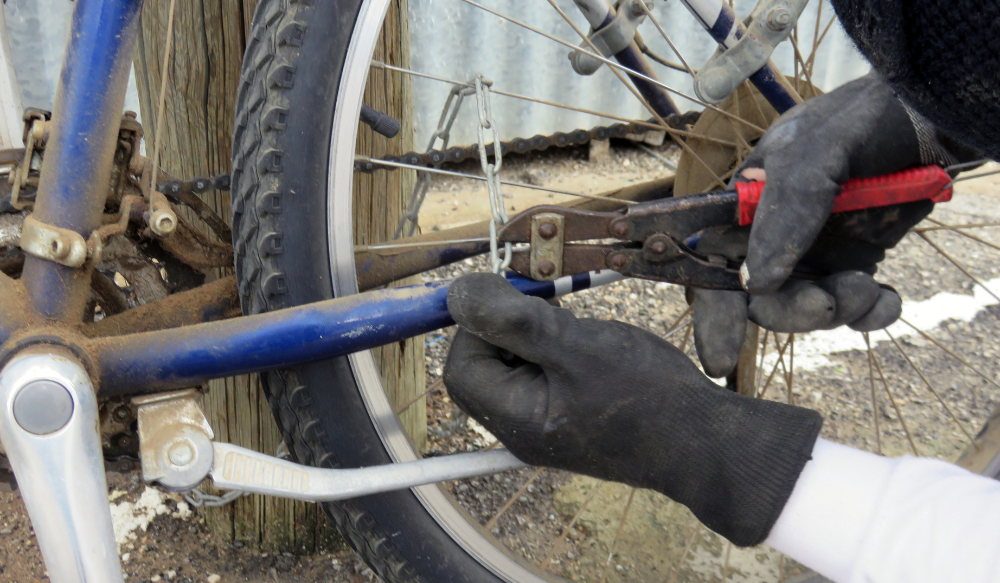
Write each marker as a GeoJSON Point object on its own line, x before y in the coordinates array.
{"type": "Point", "coordinates": [455, 40]}
{"type": "Point", "coordinates": [37, 30]}
{"type": "Point", "coordinates": [452, 39]}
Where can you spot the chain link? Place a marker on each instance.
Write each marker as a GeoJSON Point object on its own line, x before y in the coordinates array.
{"type": "Point", "coordinates": [196, 498]}
{"type": "Point", "coordinates": [408, 222]}
{"type": "Point", "coordinates": [492, 172]}
{"type": "Point", "coordinates": [196, 185]}
{"type": "Point", "coordinates": [578, 137]}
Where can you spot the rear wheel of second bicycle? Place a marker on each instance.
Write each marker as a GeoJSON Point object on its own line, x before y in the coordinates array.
{"type": "Point", "coordinates": [296, 210]}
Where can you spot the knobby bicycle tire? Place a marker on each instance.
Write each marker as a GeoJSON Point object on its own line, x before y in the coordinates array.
{"type": "Point", "coordinates": [281, 142]}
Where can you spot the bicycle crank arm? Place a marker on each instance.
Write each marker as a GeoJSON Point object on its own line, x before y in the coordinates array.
{"type": "Point", "coordinates": [49, 429]}
{"type": "Point", "coordinates": [237, 468]}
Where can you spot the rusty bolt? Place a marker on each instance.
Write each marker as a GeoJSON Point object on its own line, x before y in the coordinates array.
{"type": "Point", "coordinates": [122, 413]}
{"type": "Point", "coordinates": [617, 261]}
{"type": "Point", "coordinates": [131, 114]}
{"type": "Point", "coordinates": [548, 230]}
{"type": "Point", "coordinates": [659, 247]}
{"type": "Point", "coordinates": [546, 267]}
{"type": "Point", "coordinates": [619, 229]}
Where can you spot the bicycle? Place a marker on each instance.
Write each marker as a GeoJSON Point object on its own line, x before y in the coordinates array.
{"type": "Point", "coordinates": [292, 183]}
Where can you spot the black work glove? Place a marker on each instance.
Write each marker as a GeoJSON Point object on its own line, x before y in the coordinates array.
{"type": "Point", "coordinates": [857, 131]}
{"type": "Point", "coordinates": [616, 402]}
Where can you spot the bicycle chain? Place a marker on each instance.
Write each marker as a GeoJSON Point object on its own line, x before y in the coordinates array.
{"type": "Point", "coordinates": [196, 185]}
{"type": "Point", "coordinates": [537, 143]}
{"type": "Point", "coordinates": [459, 154]}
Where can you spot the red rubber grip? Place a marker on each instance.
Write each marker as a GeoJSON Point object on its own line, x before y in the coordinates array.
{"type": "Point", "coordinates": [925, 183]}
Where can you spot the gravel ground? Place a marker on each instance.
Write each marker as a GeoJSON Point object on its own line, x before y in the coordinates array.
{"type": "Point", "coordinates": [529, 510]}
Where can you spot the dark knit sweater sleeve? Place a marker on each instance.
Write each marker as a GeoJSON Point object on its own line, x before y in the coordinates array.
{"type": "Point", "coordinates": [941, 56]}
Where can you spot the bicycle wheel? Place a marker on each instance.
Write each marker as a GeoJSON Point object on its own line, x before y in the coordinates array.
{"type": "Point", "coordinates": [296, 139]}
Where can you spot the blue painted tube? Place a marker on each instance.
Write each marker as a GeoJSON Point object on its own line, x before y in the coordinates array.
{"type": "Point", "coordinates": [722, 24]}
{"type": "Point", "coordinates": [81, 145]}
{"type": "Point", "coordinates": [631, 58]}
{"type": "Point", "coordinates": [186, 357]}
{"type": "Point", "coordinates": [657, 97]}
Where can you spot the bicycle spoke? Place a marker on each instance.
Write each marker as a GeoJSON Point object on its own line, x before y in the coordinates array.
{"type": "Point", "coordinates": [795, 62]}
{"type": "Point", "coordinates": [687, 334]}
{"type": "Point", "coordinates": [665, 36]}
{"type": "Point", "coordinates": [687, 551]}
{"type": "Point", "coordinates": [651, 125]}
{"type": "Point", "coordinates": [615, 66]}
{"type": "Point", "coordinates": [362, 248]}
{"type": "Point", "coordinates": [805, 71]}
{"type": "Point", "coordinates": [958, 265]}
{"type": "Point", "coordinates": [572, 523]}
{"type": "Point", "coordinates": [812, 56]}
{"type": "Point", "coordinates": [945, 227]}
{"type": "Point", "coordinates": [819, 20]}
{"type": "Point", "coordinates": [756, 104]}
{"type": "Point", "coordinates": [676, 325]}
{"type": "Point", "coordinates": [791, 367]}
{"type": "Point", "coordinates": [930, 388]}
{"type": "Point", "coordinates": [955, 229]}
{"type": "Point", "coordinates": [725, 565]}
{"type": "Point", "coordinates": [492, 522]}
{"type": "Point", "coordinates": [483, 179]}
{"type": "Point", "coordinates": [871, 378]}
{"type": "Point", "coordinates": [971, 176]}
{"type": "Point", "coordinates": [950, 353]}
{"type": "Point", "coordinates": [760, 367]}
{"type": "Point", "coordinates": [774, 369]}
{"type": "Point", "coordinates": [635, 93]}
{"type": "Point", "coordinates": [892, 400]}
{"type": "Point", "coordinates": [161, 101]}
{"type": "Point", "coordinates": [434, 386]}
{"type": "Point", "coordinates": [618, 533]}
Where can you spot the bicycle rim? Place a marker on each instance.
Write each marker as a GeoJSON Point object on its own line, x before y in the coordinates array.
{"type": "Point", "coordinates": [366, 373]}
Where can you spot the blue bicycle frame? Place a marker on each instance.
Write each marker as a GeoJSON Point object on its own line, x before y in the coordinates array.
{"type": "Point", "coordinates": [71, 195]}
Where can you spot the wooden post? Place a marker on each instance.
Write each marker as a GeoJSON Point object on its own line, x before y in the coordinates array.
{"type": "Point", "coordinates": [203, 79]}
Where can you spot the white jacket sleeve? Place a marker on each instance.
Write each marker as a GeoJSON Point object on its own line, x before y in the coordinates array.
{"type": "Point", "coordinates": [859, 518]}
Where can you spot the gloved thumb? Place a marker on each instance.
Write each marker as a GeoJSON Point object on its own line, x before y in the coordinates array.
{"type": "Point", "coordinates": [488, 306]}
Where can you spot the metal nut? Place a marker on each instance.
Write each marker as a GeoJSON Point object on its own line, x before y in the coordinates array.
{"type": "Point", "coordinates": [546, 267]}
{"type": "Point", "coordinates": [620, 228]}
{"type": "Point", "coordinates": [779, 18]}
{"type": "Point", "coordinates": [548, 230]}
{"type": "Point", "coordinates": [617, 261]}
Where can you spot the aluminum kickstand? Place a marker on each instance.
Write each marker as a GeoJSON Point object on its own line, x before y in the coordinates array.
{"type": "Point", "coordinates": [49, 429]}
{"type": "Point", "coordinates": [237, 468]}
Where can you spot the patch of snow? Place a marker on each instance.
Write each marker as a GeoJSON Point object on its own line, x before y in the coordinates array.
{"type": "Point", "coordinates": [127, 517]}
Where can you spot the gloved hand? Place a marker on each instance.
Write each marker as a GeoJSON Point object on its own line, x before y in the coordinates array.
{"type": "Point", "coordinates": [857, 131]}
{"type": "Point", "coordinates": [616, 402]}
